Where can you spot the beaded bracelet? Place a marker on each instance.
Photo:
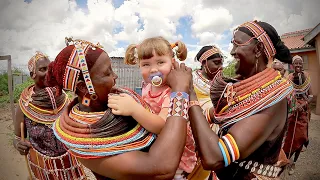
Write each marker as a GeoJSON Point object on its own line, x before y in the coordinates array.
{"type": "Point", "coordinates": [179, 103]}
{"type": "Point", "coordinates": [17, 137]}
{"type": "Point", "coordinates": [229, 149]}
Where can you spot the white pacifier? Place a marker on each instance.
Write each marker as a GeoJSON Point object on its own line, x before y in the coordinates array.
{"type": "Point", "coordinates": [156, 79]}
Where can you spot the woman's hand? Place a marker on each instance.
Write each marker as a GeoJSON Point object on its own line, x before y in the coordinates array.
{"type": "Point", "coordinates": [122, 104]}
{"type": "Point", "coordinates": [180, 78]}
{"type": "Point", "coordinates": [22, 146]}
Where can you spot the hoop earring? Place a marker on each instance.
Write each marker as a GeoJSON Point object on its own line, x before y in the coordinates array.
{"type": "Point", "coordinates": [93, 97]}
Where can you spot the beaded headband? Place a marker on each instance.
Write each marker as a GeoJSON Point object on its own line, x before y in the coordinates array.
{"type": "Point", "coordinates": [296, 57]}
{"type": "Point", "coordinates": [32, 62]}
{"type": "Point", "coordinates": [209, 52]}
{"type": "Point", "coordinates": [262, 36]}
{"type": "Point", "coordinates": [76, 63]}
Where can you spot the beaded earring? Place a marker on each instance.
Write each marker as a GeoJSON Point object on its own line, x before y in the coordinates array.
{"type": "Point", "coordinates": [85, 101]}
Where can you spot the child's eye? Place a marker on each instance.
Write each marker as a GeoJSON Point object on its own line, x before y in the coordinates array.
{"type": "Point", "coordinates": [161, 62]}
{"type": "Point", "coordinates": [145, 65]}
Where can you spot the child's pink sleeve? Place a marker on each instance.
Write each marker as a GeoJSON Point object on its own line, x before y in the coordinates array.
{"type": "Point", "coordinates": [166, 102]}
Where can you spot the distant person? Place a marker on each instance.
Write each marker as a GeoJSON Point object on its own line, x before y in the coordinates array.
{"type": "Point", "coordinates": [211, 59]}
{"type": "Point", "coordinates": [39, 107]}
{"type": "Point", "coordinates": [297, 135]}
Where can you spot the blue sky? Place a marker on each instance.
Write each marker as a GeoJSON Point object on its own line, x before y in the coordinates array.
{"type": "Point", "coordinates": [183, 28]}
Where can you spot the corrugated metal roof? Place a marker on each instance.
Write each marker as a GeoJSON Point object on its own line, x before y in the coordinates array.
{"type": "Point", "coordinates": [294, 40]}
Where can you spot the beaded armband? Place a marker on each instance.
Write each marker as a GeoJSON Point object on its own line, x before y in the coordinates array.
{"type": "Point", "coordinates": [179, 104]}
{"type": "Point", "coordinates": [229, 149]}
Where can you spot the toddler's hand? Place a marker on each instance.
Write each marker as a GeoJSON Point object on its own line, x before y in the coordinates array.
{"type": "Point", "coordinates": [122, 104]}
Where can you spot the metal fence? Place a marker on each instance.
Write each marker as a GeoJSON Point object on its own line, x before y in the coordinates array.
{"type": "Point", "coordinates": [128, 75]}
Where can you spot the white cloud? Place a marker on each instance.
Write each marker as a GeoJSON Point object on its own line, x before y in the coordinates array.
{"type": "Point", "coordinates": [209, 38]}
{"type": "Point", "coordinates": [43, 24]}
{"type": "Point", "coordinates": [208, 24]}
{"type": "Point", "coordinates": [211, 20]}
{"type": "Point", "coordinates": [190, 58]}
{"type": "Point", "coordinates": [158, 18]}
{"type": "Point", "coordinates": [119, 52]}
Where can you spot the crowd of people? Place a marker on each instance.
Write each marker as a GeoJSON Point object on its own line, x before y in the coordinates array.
{"type": "Point", "coordinates": [186, 125]}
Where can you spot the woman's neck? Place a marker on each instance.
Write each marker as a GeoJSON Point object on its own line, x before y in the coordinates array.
{"type": "Point", "coordinates": [296, 73]}
{"type": "Point", "coordinates": [203, 72]}
{"type": "Point", "coordinates": [260, 67]}
{"type": "Point", "coordinates": [36, 88]}
{"type": "Point", "coordinates": [94, 106]}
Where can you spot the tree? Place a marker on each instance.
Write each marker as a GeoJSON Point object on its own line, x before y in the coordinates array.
{"type": "Point", "coordinates": [229, 71]}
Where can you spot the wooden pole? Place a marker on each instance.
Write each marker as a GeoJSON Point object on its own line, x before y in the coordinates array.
{"type": "Point", "coordinates": [25, 156]}
{"type": "Point", "coordinates": [10, 87]}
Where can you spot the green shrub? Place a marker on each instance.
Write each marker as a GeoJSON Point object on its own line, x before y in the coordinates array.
{"type": "Point", "coordinates": [3, 84]}
{"type": "Point", "coordinates": [19, 88]}
{"type": "Point", "coordinates": [230, 71]}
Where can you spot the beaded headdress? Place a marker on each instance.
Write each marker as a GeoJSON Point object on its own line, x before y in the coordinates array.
{"type": "Point", "coordinates": [296, 57]}
{"type": "Point", "coordinates": [261, 35]}
{"type": "Point", "coordinates": [33, 60]}
{"type": "Point", "coordinates": [77, 63]}
{"type": "Point", "coordinates": [210, 52]}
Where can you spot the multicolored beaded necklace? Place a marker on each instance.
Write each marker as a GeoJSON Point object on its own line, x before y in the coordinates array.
{"type": "Point", "coordinates": [40, 114]}
{"type": "Point", "coordinates": [201, 83]}
{"type": "Point", "coordinates": [101, 134]}
{"type": "Point", "coordinates": [245, 98]}
{"type": "Point", "coordinates": [302, 88]}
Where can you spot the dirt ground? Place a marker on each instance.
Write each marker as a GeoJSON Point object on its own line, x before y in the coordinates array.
{"type": "Point", "coordinates": [13, 165]}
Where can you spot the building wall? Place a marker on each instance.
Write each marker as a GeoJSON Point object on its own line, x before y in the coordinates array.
{"type": "Point", "coordinates": [317, 45]}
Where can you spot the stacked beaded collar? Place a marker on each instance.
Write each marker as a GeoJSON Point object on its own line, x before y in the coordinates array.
{"type": "Point", "coordinates": [101, 134]}
{"type": "Point", "coordinates": [35, 107]}
{"type": "Point", "coordinates": [245, 98]}
{"type": "Point", "coordinates": [302, 88]}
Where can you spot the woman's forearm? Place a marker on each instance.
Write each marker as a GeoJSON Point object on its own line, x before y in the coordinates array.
{"type": "Point", "coordinates": [206, 140]}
